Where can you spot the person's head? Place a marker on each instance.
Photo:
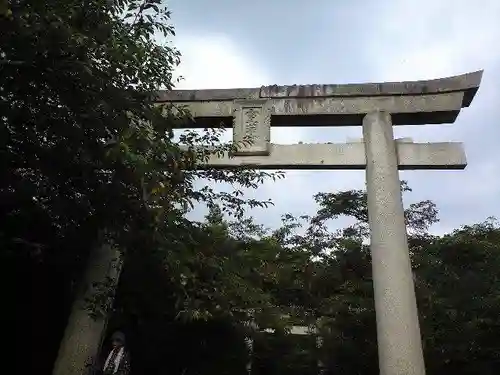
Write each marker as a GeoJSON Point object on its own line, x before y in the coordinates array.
{"type": "Point", "coordinates": [118, 340]}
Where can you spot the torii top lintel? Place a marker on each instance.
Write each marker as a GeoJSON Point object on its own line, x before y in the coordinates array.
{"type": "Point", "coordinates": [410, 102]}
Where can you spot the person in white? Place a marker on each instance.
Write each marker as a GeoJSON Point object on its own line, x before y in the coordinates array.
{"type": "Point", "coordinates": [117, 362]}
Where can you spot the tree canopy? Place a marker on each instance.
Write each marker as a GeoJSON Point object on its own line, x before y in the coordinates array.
{"type": "Point", "coordinates": [322, 277]}
{"type": "Point", "coordinates": [87, 156]}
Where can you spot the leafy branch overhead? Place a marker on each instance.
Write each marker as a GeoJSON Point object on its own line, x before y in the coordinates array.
{"type": "Point", "coordinates": [306, 273]}
{"type": "Point", "coordinates": [86, 146]}
{"type": "Point", "coordinates": [88, 156]}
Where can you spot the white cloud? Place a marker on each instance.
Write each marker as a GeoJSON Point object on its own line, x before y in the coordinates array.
{"type": "Point", "coordinates": [425, 39]}
{"type": "Point", "coordinates": [432, 39]}
{"type": "Point", "coordinates": [216, 61]}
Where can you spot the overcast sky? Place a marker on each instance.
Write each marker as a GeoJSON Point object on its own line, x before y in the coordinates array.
{"type": "Point", "coordinates": [238, 43]}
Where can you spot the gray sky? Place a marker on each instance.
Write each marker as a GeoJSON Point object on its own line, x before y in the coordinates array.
{"type": "Point", "coordinates": [238, 43]}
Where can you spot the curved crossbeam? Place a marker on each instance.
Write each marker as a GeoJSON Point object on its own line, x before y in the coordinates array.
{"type": "Point", "coordinates": [410, 103]}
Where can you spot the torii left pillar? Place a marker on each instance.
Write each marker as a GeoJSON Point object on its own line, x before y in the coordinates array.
{"type": "Point", "coordinates": [82, 338]}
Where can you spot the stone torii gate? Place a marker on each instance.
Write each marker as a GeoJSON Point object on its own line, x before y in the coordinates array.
{"type": "Point", "coordinates": [376, 107]}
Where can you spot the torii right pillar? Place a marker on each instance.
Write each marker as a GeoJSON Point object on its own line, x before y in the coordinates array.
{"type": "Point", "coordinates": [398, 332]}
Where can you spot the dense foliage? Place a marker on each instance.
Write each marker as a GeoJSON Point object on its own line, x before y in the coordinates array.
{"type": "Point", "coordinates": [87, 157]}
{"type": "Point", "coordinates": [324, 278]}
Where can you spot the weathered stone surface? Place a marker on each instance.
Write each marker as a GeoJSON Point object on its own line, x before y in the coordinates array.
{"type": "Point", "coordinates": [421, 109]}
{"type": "Point", "coordinates": [362, 105]}
{"type": "Point", "coordinates": [410, 103]}
{"type": "Point", "coordinates": [347, 156]}
{"type": "Point", "coordinates": [467, 83]}
{"type": "Point", "coordinates": [322, 106]}
{"type": "Point", "coordinates": [398, 331]}
{"type": "Point", "coordinates": [252, 127]}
